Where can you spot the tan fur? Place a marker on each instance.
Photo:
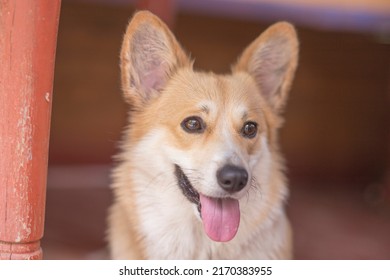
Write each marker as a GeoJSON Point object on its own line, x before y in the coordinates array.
{"type": "Point", "coordinates": [150, 217]}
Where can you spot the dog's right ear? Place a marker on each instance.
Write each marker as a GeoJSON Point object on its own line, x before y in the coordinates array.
{"type": "Point", "coordinates": [150, 55]}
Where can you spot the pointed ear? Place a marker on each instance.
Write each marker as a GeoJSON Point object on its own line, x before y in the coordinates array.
{"type": "Point", "coordinates": [271, 60]}
{"type": "Point", "coordinates": [150, 55]}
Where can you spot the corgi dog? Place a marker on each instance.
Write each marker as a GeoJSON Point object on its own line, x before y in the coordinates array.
{"type": "Point", "coordinates": [200, 175]}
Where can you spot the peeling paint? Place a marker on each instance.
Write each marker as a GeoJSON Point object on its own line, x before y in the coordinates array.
{"type": "Point", "coordinates": [47, 96]}
{"type": "Point", "coordinates": [24, 144]}
{"type": "Point", "coordinates": [24, 154]}
{"type": "Point", "coordinates": [27, 228]}
{"type": "Point", "coordinates": [18, 238]}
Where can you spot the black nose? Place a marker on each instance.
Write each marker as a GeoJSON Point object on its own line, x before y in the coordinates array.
{"type": "Point", "coordinates": [232, 178]}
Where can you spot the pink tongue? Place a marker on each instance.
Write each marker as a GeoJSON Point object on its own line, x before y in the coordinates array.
{"type": "Point", "coordinates": [221, 217]}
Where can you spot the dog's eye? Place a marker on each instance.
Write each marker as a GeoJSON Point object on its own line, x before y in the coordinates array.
{"type": "Point", "coordinates": [249, 130]}
{"type": "Point", "coordinates": [193, 124]}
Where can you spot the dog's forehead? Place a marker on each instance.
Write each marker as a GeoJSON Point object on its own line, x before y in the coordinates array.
{"type": "Point", "coordinates": [213, 107]}
{"type": "Point", "coordinates": [214, 94]}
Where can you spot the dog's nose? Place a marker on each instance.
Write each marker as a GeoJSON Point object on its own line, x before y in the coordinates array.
{"type": "Point", "coordinates": [232, 178]}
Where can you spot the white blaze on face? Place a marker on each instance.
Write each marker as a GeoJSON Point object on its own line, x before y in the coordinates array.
{"type": "Point", "coordinates": [220, 214]}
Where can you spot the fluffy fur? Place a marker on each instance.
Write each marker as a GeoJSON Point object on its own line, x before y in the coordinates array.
{"type": "Point", "coordinates": [150, 217]}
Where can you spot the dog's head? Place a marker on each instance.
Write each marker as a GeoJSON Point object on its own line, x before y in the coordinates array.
{"type": "Point", "coordinates": [217, 132]}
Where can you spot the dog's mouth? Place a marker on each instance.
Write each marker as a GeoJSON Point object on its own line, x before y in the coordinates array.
{"type": "Point", "coordinates": [188, 190]}
{"type": "Point", "coordinates": [220, 216]}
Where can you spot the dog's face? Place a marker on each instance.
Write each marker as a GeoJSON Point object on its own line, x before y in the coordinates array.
{"type": "Point", "coordinates": [215, 130]}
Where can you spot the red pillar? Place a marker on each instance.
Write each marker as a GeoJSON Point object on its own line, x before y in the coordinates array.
{"type": "Point", "coordinates": [28, 33]}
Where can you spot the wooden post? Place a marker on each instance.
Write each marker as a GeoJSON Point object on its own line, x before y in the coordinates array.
{"type": "Point", "coordinates": [28, 35]}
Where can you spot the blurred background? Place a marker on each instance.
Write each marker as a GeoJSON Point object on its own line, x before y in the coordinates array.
{"type": "Point", "coordinates": [336, 136]}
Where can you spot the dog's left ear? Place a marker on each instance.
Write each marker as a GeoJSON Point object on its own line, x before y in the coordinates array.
{"type": "Point", "coordinates": [150, 55]}
{"type": "Point", "coordinates": [271, 60]}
